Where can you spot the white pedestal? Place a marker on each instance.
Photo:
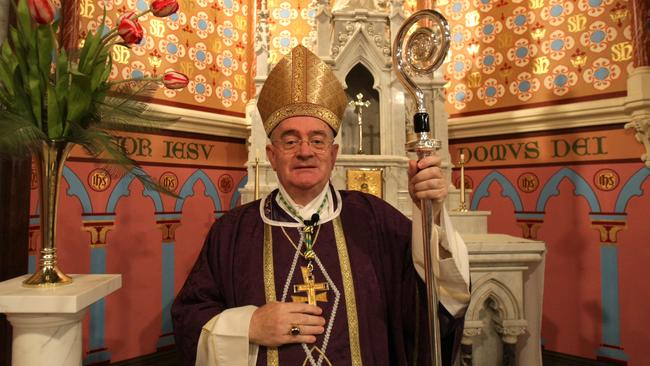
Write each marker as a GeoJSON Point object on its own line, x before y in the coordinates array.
{"type": "Point", "coordinates": [47, 321]}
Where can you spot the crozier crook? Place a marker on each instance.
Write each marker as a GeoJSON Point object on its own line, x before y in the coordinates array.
{"type": "Point", "coordinates": [420, 53]}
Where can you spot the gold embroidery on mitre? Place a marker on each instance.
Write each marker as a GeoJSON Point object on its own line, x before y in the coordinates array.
{"type": "Point", "coordinates": [301, 84]}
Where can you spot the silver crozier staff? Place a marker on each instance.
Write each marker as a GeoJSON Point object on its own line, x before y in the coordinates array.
{"type": "Point", "coordinates": [420, 53]}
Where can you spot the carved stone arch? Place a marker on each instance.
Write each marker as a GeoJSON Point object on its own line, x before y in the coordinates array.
{"type": "Point", "coordinates": [360, 49]}
{"type": "Point", "coordinates": [505, 301]}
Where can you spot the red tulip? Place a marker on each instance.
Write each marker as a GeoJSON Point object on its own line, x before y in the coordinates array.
{"type": "Point", "coordinates": [163, 8]}
{"type": "Point", "coordinates": [41, 10]}
{"type": "Point", "coordinates": [130, 29]}
{"type": "Point", "coordinates": [175, 80]}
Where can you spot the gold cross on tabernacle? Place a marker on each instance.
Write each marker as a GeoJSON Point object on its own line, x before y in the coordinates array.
{"type": "Point", "coordinates": [310, 287]}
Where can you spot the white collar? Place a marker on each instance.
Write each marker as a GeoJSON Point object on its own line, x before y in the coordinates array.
{"type": "Point", "coordinates": [327, 214]}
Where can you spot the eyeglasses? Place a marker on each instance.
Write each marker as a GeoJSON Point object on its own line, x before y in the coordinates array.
{"type": "Point", "coordinates": [292, 144]}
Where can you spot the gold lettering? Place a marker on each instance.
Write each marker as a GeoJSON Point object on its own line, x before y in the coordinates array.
{"type": "Point", "coordinates": [121, 54]}
{"type": "Point", "coordinates": [216, 45]}
{"type": "Point", "coordinates": [188, 6]}
{"type": "Point", "coordinates": [240, 22]}
{"type": "Point", "coordinates": [157, 28]}
{"type": "Point", "coordinates": [240, 81]}
{"type": "Point", "coordinates": [622, 51]}
{"type": "Point", "coordinates": [541, 65]}
{"type": "Point", "coordinates": [87, 9]}
{"type": "Point", "coordinates": [577, 23]}
{"type": "Point", "coordinates": [474, 79]}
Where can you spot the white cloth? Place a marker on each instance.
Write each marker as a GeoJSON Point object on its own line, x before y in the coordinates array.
{"type": "Point", "coordinates": [224, 340]}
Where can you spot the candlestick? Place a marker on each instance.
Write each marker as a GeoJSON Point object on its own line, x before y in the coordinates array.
{"type": "Point", "coordinates": [462, 207]}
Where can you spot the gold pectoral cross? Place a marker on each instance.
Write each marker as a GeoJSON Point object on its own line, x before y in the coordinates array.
{"type": "Point", "coordinates": [310, 287]}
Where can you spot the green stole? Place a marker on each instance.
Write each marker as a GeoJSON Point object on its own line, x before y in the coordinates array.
{"type": "Point", "coordinates": [272, 358]}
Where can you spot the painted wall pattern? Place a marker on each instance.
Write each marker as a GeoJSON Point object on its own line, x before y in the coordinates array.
{"type": "Point", "coordinates": [292, 23]}
{"type": "Point", "coordinates": [592, 215]}
{"type": "Point", "coordinates": [507, 53]}
{"type": "Point", "coordinates": [110, 224]}
{"type": "Point", "coordinates": [208, 40]}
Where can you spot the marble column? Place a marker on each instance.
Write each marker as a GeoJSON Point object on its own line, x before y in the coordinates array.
{"type": "Point", "coordinates": [609, 226]}
{"type": "Point", "coordinates": [47, 322]}
{"type": "Point", "coordinates": [637, 102]}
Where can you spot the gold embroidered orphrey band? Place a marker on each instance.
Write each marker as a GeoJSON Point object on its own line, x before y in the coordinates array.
{"type": "Point", "coordinates": [272, 358]}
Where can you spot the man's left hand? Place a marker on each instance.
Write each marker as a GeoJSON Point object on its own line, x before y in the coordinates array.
{"type": "Point", "coordinates": [426, 181]}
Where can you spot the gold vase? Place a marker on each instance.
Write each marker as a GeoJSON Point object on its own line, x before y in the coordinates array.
{"type": "Point", "coordinates": [51, 159]}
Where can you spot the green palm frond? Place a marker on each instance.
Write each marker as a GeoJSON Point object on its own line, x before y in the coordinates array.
{"type": "Point", "coordinates": [18, 136]}
{"type": "Point", "coordinates": [47, 93]}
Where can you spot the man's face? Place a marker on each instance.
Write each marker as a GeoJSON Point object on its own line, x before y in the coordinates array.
{"type": "Point", "coordinates": [303, 168]}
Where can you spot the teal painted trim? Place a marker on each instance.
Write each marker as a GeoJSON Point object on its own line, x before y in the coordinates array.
{"type": "Point", "coordinates": [529, 215]}
{"type": "Point", "coordinates": [98, 309]}
{"type": "Point", "coordinates": [155, 197]}
{"type": "Point", "coordinates": [122, 190]}
{"type": "Point", "coordinates": [582, 188]}
{"type": "Point", "coordinates": [31, 264]}
{"type": "Point", "coordinates": [98, 218]}
{"type": "Point", "coordinates": [35, 221]}
{"type": "Point", "coordinates": [631, 188]}
{"type": "Point", "coordinates": [610, 298]}
{"type": "Point", "coordinates": [507, 190]}
{"type": "Point", "coordinates": [612, 353]}
{"type": "Point", "coordinates": [605, 217]}
{"type": "Point", "coordinates": [167, 286]}
{"type": "Point", "coordinates": [77, 189]}
{"type": "Point", "coordinates": [237, 194]}
{"type": "Point", "coordinates": [97, 357]}
{"type": "Point", "coordinates": [188, 190]}
{"type": "Point", "coordinates": [168, 216]}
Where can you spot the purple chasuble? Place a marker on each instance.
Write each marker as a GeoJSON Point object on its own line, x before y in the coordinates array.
{"type": "Point", "coordinates": [390, 308]}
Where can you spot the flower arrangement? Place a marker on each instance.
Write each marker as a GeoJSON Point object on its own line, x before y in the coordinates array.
{"type": "Point", "coordinates": [50, 93]}
{"type": "Point", "coordinates": [52, 98]}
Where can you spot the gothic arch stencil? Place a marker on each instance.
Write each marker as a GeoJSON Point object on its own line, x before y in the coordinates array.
{"type": "Point", "coordinates": [77, 189]}
{"type": "Point", "coordinates": [632, 188]}
{"type": "Point", "coordinates": [507, 190]}
{"type": "Point", "coordinates": [237, 194]}
{"type": "Point", "coordinates": [122, 190]}
{"type": "Point", "coordinates": [582, 188]}
{"type": "Point", "coordinates": [188, 190]}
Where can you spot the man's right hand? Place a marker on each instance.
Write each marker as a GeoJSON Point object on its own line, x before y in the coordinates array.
{"type": "Point", "coordinates": [271, 324]}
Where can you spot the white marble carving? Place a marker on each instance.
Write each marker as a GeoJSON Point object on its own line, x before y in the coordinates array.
{"type": "Point", "coordinates": [637, 105]}
{"type": "Point", "coordinates": [47, 321]}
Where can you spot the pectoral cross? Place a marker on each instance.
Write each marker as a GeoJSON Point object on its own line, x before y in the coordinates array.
{"type": "Point", "coordinates": [358, 105]}
{"type": "Point", "coordinates": [310, 287]}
